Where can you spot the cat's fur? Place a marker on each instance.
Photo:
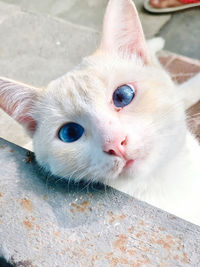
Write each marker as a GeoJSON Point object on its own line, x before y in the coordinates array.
{"type": "Point", "coordinates": [166, 168]}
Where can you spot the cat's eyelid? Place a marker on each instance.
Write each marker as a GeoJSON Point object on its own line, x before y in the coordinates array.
{"type": "Point", "coordinates": [62, 125]}
{"type": "Point", "coordinates": [131, 84]}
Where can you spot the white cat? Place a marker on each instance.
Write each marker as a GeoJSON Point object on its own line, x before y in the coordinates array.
{"type": "Point", "coordinates": [116, 118]}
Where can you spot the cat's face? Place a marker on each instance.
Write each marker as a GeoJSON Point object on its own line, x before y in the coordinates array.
{"type": "Point", "coordinates": [108, 142]}
{"type": "Point", "coordinates": [142, 135]}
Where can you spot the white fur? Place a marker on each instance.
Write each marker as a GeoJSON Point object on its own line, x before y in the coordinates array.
{"type": "Point", "coordinates": [166, 169]}
{"type": "Point", "coordinates": [166, 172]}
{"type": "Point", "coordinates": [175, 187]}
{"type": "Point", "coordinates": [190, 91]}
{"type": "Point", "coordinates": [156, 44]}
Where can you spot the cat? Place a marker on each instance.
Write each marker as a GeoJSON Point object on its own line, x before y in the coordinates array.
{"type": "Point", "coordinates": [116, 118]}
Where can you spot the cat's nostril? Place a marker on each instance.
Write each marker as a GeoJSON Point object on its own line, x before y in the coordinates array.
{"type": "Point", "coordinates": [111, 152]}
{"type": "Point", "coordinates": [124, 142]}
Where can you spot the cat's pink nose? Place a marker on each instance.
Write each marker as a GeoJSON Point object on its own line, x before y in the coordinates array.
{"type": "Point", "coordinates": [116, 148]}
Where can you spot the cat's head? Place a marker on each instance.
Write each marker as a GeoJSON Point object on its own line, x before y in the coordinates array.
{"type": "Point", "coordinates": [114, 116]}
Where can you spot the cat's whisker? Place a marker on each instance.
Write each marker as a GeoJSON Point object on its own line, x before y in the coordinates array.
{"type": "Point", "coordinates": [48, 176]}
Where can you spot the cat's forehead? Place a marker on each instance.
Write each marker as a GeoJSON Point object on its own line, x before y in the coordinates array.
{"type": "Point", "coordinates": [90, 86]}
{"type": "Point", "coordinates": [78, 87]}
{"type": "Point", "coordinates": [86, 85]}
{"type": "Point", "coordinates": [77, 93]}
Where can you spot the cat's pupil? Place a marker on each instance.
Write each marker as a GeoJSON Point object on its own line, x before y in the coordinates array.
{"type": "Point", "coordinates": [119, 97]}
{"type": "Point", "coordinates": [70, 132]}
{"type": "Point", "coordinates": [123, 95]}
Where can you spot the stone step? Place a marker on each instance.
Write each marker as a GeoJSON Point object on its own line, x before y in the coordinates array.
{"type": "Point", "coordinates": [182, 33]}
{"type": "Point", "coordinates": [37, 48]}
{"type": "Point", "coordinates": [49, 222]}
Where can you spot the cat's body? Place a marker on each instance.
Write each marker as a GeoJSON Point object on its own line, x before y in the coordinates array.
{"type": "Point", "coordinates": [141, 145]}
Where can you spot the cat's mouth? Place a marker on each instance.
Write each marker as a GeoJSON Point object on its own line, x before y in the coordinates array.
{"type": "Point", "coordinates": [126, 166]}
{"type": "Point", "coordinates": [121, 166]}
{"type": "Point", "coordinates": [128, 163]}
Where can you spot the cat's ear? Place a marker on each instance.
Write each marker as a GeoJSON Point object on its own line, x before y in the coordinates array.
{"type": "Point", "coordinates": [18, 100]}
{"type": "Point", "coordinates": [122, 30]}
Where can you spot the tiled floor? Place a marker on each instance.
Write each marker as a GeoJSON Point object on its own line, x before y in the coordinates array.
{"type": "Point", "coordinates": [181, 69]}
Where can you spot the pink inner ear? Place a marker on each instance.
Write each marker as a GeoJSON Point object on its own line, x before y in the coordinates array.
{"type": "Point", "coordinates": [122, 30]}
{"type": "Point", "coordinates": [24, 119]}
{"type": "Point", "coordinates": [137, 48]}
{"type": "Point", "coordinates": [29, 122]}
{"type": "Point", "coordinates": [17, 100]}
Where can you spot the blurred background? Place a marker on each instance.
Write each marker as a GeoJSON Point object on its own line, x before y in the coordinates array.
{"type": "Point", "coordinates": [42, 40]}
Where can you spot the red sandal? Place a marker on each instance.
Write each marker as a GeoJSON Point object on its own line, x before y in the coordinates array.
{"type": "Point", "coordinates": [186, 4]}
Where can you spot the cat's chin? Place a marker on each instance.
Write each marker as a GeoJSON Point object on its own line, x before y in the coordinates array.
{"type": "Point", "coordinates": [124, 170]}
{"type": "Point", "coordinates": [135, 169]}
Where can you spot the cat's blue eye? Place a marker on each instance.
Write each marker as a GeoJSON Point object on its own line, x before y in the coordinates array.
{"type": "Point", "coordinates": [70, 132]}
{"type": "Point", "coordinates": [123, 95]}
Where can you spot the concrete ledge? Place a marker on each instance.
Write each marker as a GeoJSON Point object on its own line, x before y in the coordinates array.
{"type": "Point", "coordinates": [49, 222]}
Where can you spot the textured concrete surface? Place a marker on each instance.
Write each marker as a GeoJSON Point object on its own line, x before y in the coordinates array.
{"type": "Point", "coordinates": [45, 222]}
{"type": "Point", "coordinates": [182, 33]}
{"type": "Point", "coordinates": [37, 49]}
{"type": "Point", "coordinates": [88, 12]}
